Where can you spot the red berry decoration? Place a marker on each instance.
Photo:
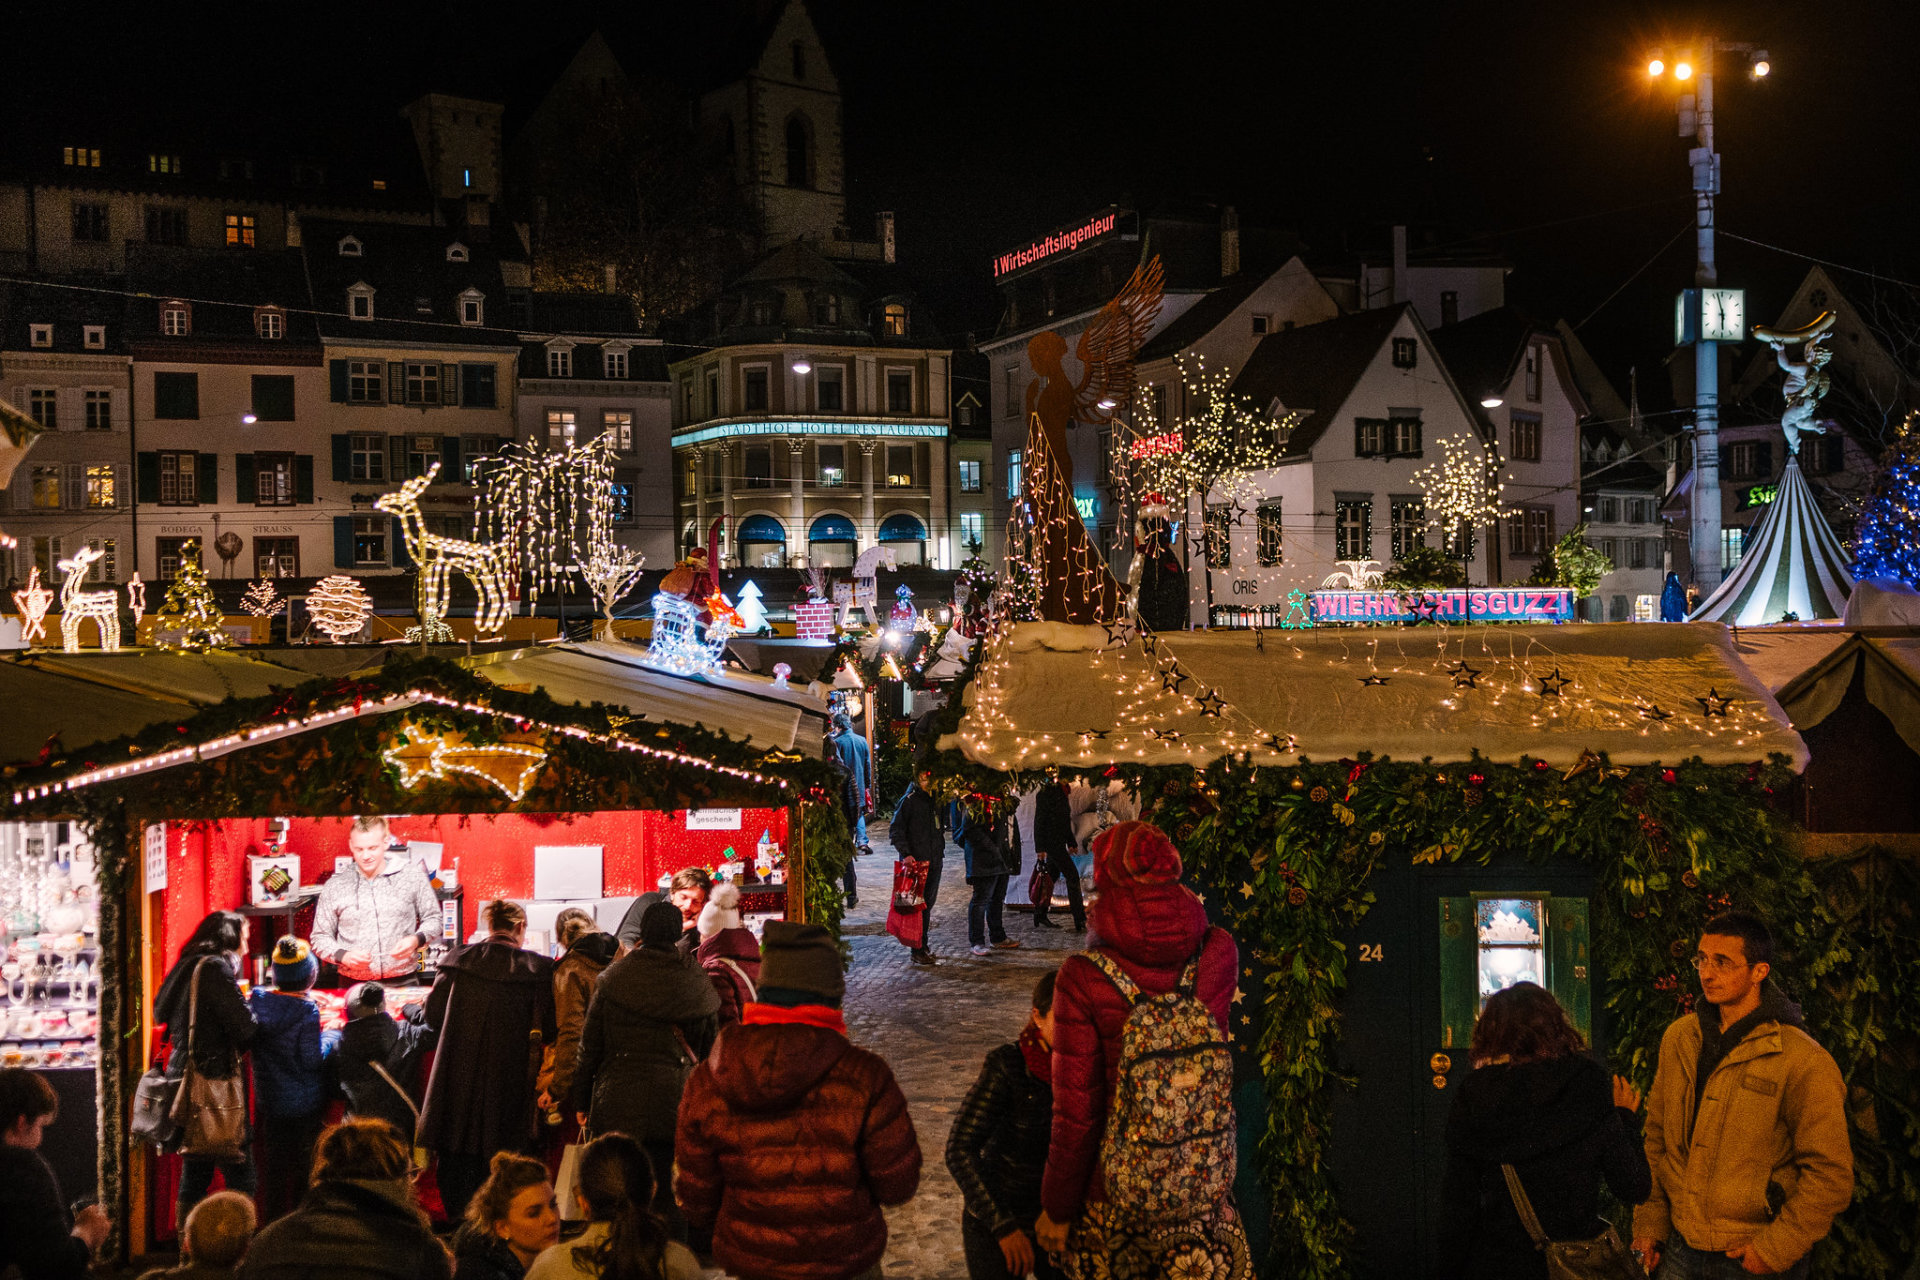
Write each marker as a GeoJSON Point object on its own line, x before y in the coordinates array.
{"type": "Point", "coordinates": [1668, 775]}
{"type": "Point", "coordinates": [1476, 779]}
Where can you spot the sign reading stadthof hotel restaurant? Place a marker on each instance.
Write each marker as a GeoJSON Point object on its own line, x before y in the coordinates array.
{"type": "Point", "coordinates": [1476, 604]}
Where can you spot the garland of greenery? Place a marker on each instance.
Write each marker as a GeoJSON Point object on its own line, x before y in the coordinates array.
{"type": "Point", "coordinates": [1285, 856]}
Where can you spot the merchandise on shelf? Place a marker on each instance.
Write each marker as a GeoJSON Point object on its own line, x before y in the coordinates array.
{"type": "Point", "coordinates": [49, 934]}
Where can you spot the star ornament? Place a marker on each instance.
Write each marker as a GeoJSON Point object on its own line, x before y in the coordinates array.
{"type": "Point", "coordinates": [1118, 633]}
{"type": "Point", "coordinates": [511, 766]}
{"type": "Point", "coordinates": [1165, 735]}
{"type": "Point", "coordinates": [1172, 678]}
{"type": "Point", "coordinates": [1373, 680]}
{"type": "Point", "coordinates": [1464, 676]}
{"type": "Point", "coordinates": [1094, 734]}
{"type": "Point", "coordinates": [1551, 686]}
{"type": "Point", "coordinates": [1210, 703]}
{"type": "Point", "coordinates": [1651, 711]}
{"type": "Point", "coordinates": [1713, 704]}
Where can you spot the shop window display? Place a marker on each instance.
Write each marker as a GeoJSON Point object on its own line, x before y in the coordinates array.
{"type": "Point", "coordinates": [49, 927]}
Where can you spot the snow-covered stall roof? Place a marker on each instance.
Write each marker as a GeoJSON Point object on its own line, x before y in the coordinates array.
{"type": "Point", "coordinates": [1048, 693]}
{"type": "Point", "coordinates": [1887, 663]}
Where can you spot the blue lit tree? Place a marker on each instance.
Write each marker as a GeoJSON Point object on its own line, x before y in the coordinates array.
{"type": "Point", "coordinates": [1886, 541]}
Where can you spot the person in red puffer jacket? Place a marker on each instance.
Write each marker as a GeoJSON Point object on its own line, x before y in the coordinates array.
{"type": "Point", "coordinates": [1152, 926]}
{"type": "Point", "coordinates": [791, 1139]}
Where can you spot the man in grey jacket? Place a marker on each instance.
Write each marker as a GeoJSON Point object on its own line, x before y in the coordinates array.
{"type": "Point", "coordinates": [372, 918]}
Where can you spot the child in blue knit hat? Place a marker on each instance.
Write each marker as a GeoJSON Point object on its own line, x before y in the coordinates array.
{"type": "Point", "coordinates": [289, 1074]}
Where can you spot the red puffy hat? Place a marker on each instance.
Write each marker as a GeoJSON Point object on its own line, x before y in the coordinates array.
{"type": "Point", "coordinates": [1134, 853]}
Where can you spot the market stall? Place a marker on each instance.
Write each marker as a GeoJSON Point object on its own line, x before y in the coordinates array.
{"type": "Point", "coordinates": [492, 791]}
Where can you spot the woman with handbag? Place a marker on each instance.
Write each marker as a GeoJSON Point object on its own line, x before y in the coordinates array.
{"type": "Point", "coordinates": [1534, 1130]}
{"type": "Point", "coordinates": [208, 1028]}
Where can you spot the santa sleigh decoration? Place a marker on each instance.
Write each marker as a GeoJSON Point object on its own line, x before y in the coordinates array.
{"type": "Point", "coordinates": [681, 642]}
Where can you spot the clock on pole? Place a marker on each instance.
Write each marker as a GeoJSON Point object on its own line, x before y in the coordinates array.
{"type": "Point", "coordinates": [1723, 315]}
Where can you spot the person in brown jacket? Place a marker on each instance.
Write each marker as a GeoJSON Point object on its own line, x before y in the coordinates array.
{"type": "Point", "coordinates": [790, 1138]}
{"type": "Point", "coordinates": [588, 953]}
{"type": "Point", "coordinates": [1746, 1125]}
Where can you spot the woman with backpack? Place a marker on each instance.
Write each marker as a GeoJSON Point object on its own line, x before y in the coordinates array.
{"type": "Point", "coordinates": [729, 953]}
{"type": "Point", "coordinates": [207, 1018]}
{"type": "Point", "coordinates": [1133, 1185]}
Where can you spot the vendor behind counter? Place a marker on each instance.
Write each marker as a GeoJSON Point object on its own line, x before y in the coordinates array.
{"type": "Point", "coordinates": [373, 918]}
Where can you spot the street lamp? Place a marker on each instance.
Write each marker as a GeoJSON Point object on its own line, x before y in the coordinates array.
{"type": "Point", "coordinates": [1696, 122]}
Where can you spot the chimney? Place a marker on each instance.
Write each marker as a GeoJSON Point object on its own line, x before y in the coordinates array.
{"type": "Point", "coordinates": [1229, 242]}
{"type": "Point", "coordinates": [1402, 285]}
{"type": "Point", "coordinates": [612, 278]}
{"type": "Point", "coordinates": [883, 223]}
{"type": "Point", "coordinates": [293, 228]}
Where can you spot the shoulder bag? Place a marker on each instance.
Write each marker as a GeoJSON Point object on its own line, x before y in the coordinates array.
{"type": "Point", "coordinates": [421, 1156]}
{"type": "Point", "coordinates": [210, 1110]}
{"type": "Point", "coordinates": [1601, 1258]}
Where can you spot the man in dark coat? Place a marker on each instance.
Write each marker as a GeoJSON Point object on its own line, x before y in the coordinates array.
{"type": "Point", "coordinates": [653, 1016]}
{"type": "Point", "coordinates": [791, 1139]}
{"type": "Point", "coordinates": [493, 1008]}
{"type": "Point", "coordinates": [848, 752]}
{"type": "Point", "coordinates": [992, 846]}
{"type": "Point", "coordinates": [1053, 844]}
{"type": "Point", "coordinates": [915, 831]}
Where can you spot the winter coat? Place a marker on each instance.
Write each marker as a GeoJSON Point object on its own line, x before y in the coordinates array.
{"type": "Point", "coordinates": [1770, 1133]}
{"type": "Point", "coordinates": [735, 992]}
{"type": "Point", "coordinates": [997, 1149]}
{"type": "Point", "coordinates": [36, 1233]}
{"type": "Point", "coordinates": [573, 978]}
{"type": "Point", "coordinates": [354, 913]}
{"type": "Point", "coordinates": [347, 1230]}
{"type": "Point", "coordinates": [1555, 1123]}
{"type": "Point", "coordinates": [790, 1140]}
{"type": "Point", "coordinates": [289, 1071]}
{"type": "Point", "coordinates": [915, 830]}
{"type": "Point", "coordinates": [629, 931]}
{"type": "Point", "coordinates": [992, 849]}
{"type": "Point", "coordinates": [398, 1047]}
{"type": "Point", "coordinates": [850, 754]}
{"type": "Point", "coordinates": [563, 1261]}
{"type": "Point", "coordinates": [654, 1014]}
{"type": "Point", "coordinates": [226, 1024]}
{"type": "Point", "coordinates": [1052, 822]}
{"type": "Point", "coordinates": [493, 1007]}
{"type": "Point", "coordinates": [1151, 931]}
{"type": "Point", "coordinates": [481, 1255]}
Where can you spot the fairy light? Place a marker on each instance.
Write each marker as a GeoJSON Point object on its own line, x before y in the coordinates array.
{"type": "Point", "coordinates": [339, 606]}
{"type": "Point", "coordinates": [261, 600]}
{"type": "Point", "coordinates": [190, 614]}
{"type": "Point", "coordinates": [33, 601]}
{"type": "Point", "coordinates": [679, 645]}
{"type": "Point", "coordinates": [1462, 493]}
{"type": "Point", "coordinates": [611, 572]}
{"type": "Point", "coordinates": [450, 755]}
{"type": "Point", "coordinates": [137, 598]}
{"type": "Point", "coordinates": [436, 557]}
{"type": "Point", "coordinates": [552, 508]}
{"type": "Point", "coordinates": [76, 606]}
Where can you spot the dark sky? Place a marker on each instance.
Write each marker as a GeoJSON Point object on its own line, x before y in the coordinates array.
{"type": "Point", "coordinates": [1526, 122]}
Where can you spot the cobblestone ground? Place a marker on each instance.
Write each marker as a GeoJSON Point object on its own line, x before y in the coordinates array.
{"type": "Point", "coordinates": [934, 1026]}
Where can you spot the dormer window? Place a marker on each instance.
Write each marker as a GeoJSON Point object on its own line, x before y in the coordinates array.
{"type": "Point", "coordinates": [613, 361]}
{"type": "Point", "coordinates": [93, 337]}
{"type": "Point", "coordinates": [270, 322]}
{"type": "Point", "coordinates": [457, 252]}
{"type": "Point", "coordinates": [560, 361]}
{"type": "Point", "coordinates": [760, 313]}
{"type": "Point", "coordinates": [160, 163]}
{"type": "Point", "coordinates": [360, 301]}
{"type": "Point", "coordinates": [40, 335]}
{"type": "Point", "coordinates": [80, 157]}
{"type": "Point", "coordinates": [826, 309]}
{"type": "Point", "coordinates": [176, 318]}
{"type": "Point", "coordinates": [893, 320]}
{"type": "Point", "coordinates": [349, 247]}
{"type": "Point", "coordinates": [473, 306]}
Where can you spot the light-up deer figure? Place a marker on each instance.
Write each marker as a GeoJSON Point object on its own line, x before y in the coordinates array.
{"type": "Point", "coordinates": [436, 556]}
{"type": "Point", "coordinates": [76, 606]}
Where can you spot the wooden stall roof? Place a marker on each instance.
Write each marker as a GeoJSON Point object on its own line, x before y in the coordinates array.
{"type": "Point", "coordinates": [1051, 694]}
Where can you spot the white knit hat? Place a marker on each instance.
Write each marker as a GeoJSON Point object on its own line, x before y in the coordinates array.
{"type": "Point", "coordinates": [722, 910]}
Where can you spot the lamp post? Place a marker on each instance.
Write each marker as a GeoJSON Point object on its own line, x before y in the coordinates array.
{"type": "Point", "coordinates": [1696, 122]}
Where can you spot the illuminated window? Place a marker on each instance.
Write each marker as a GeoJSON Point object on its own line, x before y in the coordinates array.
{"type": "Point", "coordinates": [1646, 608]}
{"type": "Point", "coordinates": [273, 479]}
{"type": "Point", "coordinates": [46, 488]}
{"type": "Point", "coordinates": [970, 475]}
{"type": "Point", "coordinates": [100, 489]}
{"type": "Point", "coordinates": [973, 531]}
{"type": "Point", "coordinates": [80, 157]}
{"type": "Point", "coordinates": [1013, 473]}
{"type": "Point", "coordinates": [618, 424]}
{"type": "Point", "coordinates": [162, 163]}
{"type": "Point", "coordinates": [1269, 533]}
{"type": "Point", "coordinates": [1732, 541]}
{"type": "Point", "coordinates": [893, 320]}
{"type": "Point", "coordinates": [832, 460]}
{"type": "Point", "coordinates": [240, 230]}
{"type": "Point", "coordinates": [560, 428]}
{"type": "Point", "coordinates": [899, 466]}
{"type": "Point", "coordinates": [1512, 943]}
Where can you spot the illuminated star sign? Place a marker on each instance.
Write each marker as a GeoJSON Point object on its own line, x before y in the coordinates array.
{"type": "Point", "coordinates": [422, 756]}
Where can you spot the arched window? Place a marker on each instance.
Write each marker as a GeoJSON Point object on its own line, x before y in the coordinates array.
{"type": "Point", "coordinates": [799, 151]}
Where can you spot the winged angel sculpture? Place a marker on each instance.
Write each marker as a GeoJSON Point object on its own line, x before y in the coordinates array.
{"type": "Point", "coordinates": [1072, 581]}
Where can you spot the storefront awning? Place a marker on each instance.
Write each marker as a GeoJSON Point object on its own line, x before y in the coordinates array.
{"type": "Point", "coordinates": [760, 529]}
{"type": "Point", "coordinates": [901, 527]}
{"type": "Point", "coordinates": [832, 529]}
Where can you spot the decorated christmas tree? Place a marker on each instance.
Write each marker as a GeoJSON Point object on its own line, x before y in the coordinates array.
{"type": "Point", "coordinates": [1886, 542]}
{"type": "Point", "coordinates": [190, 618]}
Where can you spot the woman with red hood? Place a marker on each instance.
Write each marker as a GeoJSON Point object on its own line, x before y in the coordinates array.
{"type": "Point", "coordinates": [1154, 931]}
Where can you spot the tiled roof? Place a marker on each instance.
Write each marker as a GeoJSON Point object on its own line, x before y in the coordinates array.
{"type": "Point", "coordinates": [416, 289]}
{"type": "Point", "coordinates": [1312, 369]}
{"type": "Point", "coordinates": [223, 286]}
{"type": "Point", "coordinates": [1203, 317]}
{"type": "Point", "coordinates": [68, 309]}
{"type": "Point", "coordinates": [1483, 352]}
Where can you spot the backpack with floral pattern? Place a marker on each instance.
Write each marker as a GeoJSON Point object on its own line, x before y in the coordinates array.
{"type": "Point", "coordinates": [1169, 1151]}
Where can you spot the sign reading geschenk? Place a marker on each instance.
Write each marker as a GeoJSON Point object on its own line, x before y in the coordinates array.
{"type": "Point", "coordinates": [1476, 604]}
{"type": "Point", "coordinates": [1066, 240]}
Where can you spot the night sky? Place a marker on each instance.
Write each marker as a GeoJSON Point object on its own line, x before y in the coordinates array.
{"type": "Point", "coordinates": [1524, 125]}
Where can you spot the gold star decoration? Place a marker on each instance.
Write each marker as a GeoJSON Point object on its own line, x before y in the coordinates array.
{"type": "Point", "coordinates": [421, 755]}
{"type": "Point", "coordinates": [1246, 889]}
{"type": "Point", "coordinates": [1373, 680]}
{"type": "Point", "coordinates": [1713, 704]}
{"type": "Point", "coordinates": [1238, 995]}
{"type": "Point", "coordinates": [1550, 686]}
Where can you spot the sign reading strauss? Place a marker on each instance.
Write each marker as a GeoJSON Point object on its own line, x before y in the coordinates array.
{"type": "Point", "coordinates": [1058, 242]}
{"type": "Point", "coordinates": [1477, 604]}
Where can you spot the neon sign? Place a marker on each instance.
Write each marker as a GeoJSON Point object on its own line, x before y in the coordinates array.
{"type": "Point", "coordinates": [1760, 495]}
{"type": "Point", "coordinates": [1085, 506]}
{"type": "Point", "coordinates": [1479, 604]}
{"type": "Point", "coordinates": [1164, 445]}
{"type": "Point", "coordinates": [1056, 243]}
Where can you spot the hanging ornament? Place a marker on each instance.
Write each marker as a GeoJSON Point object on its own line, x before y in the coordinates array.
{"type": "Point", "coordinates": [339, 607]}
{"type": "Point", "coordinates": [1552, 685]}
{"type": "Point", "coordinates": [137, 598]}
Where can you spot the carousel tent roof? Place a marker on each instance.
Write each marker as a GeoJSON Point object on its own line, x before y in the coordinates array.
{"type": "Point", "coordinates": [1055, 694]}
{"type": "Point", "coordinates": [1792, 564]}
{"type": "Point", "coordinates": [1810, 671]}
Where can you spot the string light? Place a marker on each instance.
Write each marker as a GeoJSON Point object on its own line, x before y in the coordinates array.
{"type": "Point", "coordinates": [436, 557]}
{"type": "Point", "coordinates": [551, 508]}
{"type": "Point", "coordinates": [339, 606]}
{"type": "Point", "coordinates": [137, 598]}
{"type": "Point", "coordinates": [33, 601]}
{"type": "Point", "coordinates": [611, 572]}
{"type": "Point", "coordinates": [509, 766]}
{"type": "Point", "coordinates": [76, 606]}
{"type": "Point", "coordinates": [1462, 493]}
{"type": "Point", "coordinates": [679, 644]}
{"type": "Point", "coordinates": [261, 599]}
{"type": "Point", "coordinates": [189, 618]}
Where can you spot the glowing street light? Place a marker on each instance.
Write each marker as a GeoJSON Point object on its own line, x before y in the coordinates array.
{"type": "Point", "coordinates": [1656, 67]}
{"type": "Point", "coordinates": [802, 366]}
{"type": "Point", "coordinates": [1683, 71]}
{"type": "Point", "coordinates": [1491, 402]}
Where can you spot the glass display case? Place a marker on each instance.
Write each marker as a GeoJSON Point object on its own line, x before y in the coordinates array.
{"type": "Point", "coordinates": [49, 930]}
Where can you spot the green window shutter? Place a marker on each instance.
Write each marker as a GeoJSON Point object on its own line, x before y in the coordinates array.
{"type": "Point", "coordinates": [1459, 977]}
{"type": "Point", "coordinates": [342, 458]}
{"type": "Point", "coordinates": [244, 491]}
{"type": "Point", "coordinates": [337, 381]}
{"type": "Point", "coordinates": [273, 397]}
{"type": "Point", "coordinates": [303, 477]}
{"type": "Point", "coordinates": [343, 542]}
{"type": "Point", "coordinates": [147, 477]}
{"type": "Point", "coordinates": [397, 458]}
{"type": "Point", "coordinates": [396, 540]}
{"type": "Point", "coordinates": [450, 460]}
{"type": "Point", "coordinates": [450, 385]}
{"type": "Point", "coordinates": [208, 491]}
{"type": "Point", "coordinates": [396, 382]}
{"type": "Point", "coordinates": [1570, 961]}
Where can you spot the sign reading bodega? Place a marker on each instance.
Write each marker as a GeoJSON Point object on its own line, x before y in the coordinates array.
{"type": "Point", "coordinates": [1477, 604]}
{"type": "Point", "coordinates": [1100, 224]}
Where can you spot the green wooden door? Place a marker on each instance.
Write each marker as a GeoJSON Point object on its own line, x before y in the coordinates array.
{"type": "Point", "coordinates": [1459, 980]}
{"type": "Point", "coordinates": [1569, 966]}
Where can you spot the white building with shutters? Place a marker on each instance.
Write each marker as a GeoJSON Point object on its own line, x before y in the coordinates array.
{"type": "Point", "coordinates": [63, 360]}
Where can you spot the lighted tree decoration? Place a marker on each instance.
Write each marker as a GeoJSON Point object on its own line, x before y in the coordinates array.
{"type": "Point", "coordinates": [1574, 563]}
{"type": "Point", "coordinates": [552, 509]}
{"type": "Point", "coordinates": [611, 572]}
{"type": "Point", "coordinates": [1203, 463]}
{"type": "Point", "coordinates": [753, 614]}
{"type": "Point", "coordinates": [190, 618]}
{"type": "Point", "coordinates": [1462, 492]}
{"type": "Point", "coordinates": [339, 606]}
{"type": "Point", "coordinates": [1886, 541]}
{"type": "Point", "coordinates": [261, 600]}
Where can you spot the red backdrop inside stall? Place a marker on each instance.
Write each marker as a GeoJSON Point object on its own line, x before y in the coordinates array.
{"type": "Point", "coordinates": [207, 861]}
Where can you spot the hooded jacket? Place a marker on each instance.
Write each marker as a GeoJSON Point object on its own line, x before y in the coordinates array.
{"type": "Point", "coordinates": [398, 1047]}
{"type": "Point", "coordinates": [493, 1007]}
{"type": "Point", "coordinates": [573, 978]}
{"type": "Point", "coordinates": [848, 753]}
{"type": "Point", "coordinates": [1765, 1157]}
{"type": "Point", "coordinates": [1554, 1121]}
{"type": "Point", "coordinates": [226, 1024]}
{"type": "Point", "coordinates": [348, 1230]}
{"type": "Point", "coordinates": [481, 1255]}
{"type": "Point", "coordinates": [651, 1009]}
{"type": "Point", "coordinates": [736, 987]}
{"type": "Point", "coordinates": [354, 913]}
{"type": "Point", "coordinates": [289, 1071]}
{"type": "Point", "coordinates": [790, 1140]}
{"type": "Point", "coordinates": [1152, 931]}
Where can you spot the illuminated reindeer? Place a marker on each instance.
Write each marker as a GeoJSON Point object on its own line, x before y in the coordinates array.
{"type": "Point", "coordinates": [436, 556]}
{"type": "Point", "coordinates": [76, 606]}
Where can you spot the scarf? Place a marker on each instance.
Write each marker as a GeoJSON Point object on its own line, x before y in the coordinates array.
{"type": "Point", "coordinates": [1038, 1053]}
{"type": "Point", "coordinates": [806, 1015]}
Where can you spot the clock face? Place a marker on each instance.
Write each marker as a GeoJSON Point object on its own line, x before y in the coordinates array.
{"type": "Point", "coordinates": [1723, 315]}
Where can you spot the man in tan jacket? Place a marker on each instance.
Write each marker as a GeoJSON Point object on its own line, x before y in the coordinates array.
{"type": "Point", "coordinates": [1746, 1125]}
